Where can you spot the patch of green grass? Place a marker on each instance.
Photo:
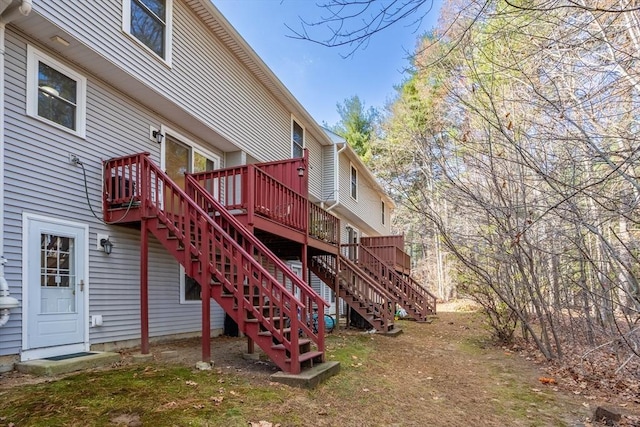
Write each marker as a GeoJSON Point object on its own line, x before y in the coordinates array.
{"type": "Point", "coordinates": [347, 349]}
{"type": "Point", "coordinates": [155, 395]}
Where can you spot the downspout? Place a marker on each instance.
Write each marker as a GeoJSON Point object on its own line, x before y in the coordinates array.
{"type": "Point", "coordinates": [7, 14]}
{"type": "Point", "coordinates": [24, 9]}
{"type": "Point", "coordinates": [336, 187]}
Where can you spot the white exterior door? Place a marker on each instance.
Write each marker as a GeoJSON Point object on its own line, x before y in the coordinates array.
{"type": "Point", "coordinates": [55, 288]}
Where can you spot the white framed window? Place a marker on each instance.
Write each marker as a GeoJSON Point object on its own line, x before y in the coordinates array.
{"type": "Point", "coordinates": [149, 22]}
{"type": "Point", "coordinates": [297, 139]}
{"type": "Point", "coordinates": [383, 211]}
{"type": "Point", "coordinates": [56, 94]}
{"type": "Point", "coordinates": [190, 291]}
{"type": "Point", "coordinates": [354, 182]}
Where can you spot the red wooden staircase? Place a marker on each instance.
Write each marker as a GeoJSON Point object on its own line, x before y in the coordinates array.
{"type": "Point", "coordinates": [408, 294]}
{"type": "Point", "coordinates": [262, 295]}
{"type": "Point", "coordinates": [363, 294]}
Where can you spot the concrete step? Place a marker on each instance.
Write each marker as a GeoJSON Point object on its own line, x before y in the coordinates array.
{"type": "Point", "coordinates": [310, 377]}
{"type": "Point", "coordinates": [48, 367]}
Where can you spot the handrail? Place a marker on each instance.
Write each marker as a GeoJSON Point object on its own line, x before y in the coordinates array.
{"type": "Point", "coordinates": [219, 242]}
{"type": "Point", "coordinates": [431, 297]}
{"type": "Point", "coordinates": [323, 225]}
{"type": "Point", "coordinates": [409, 290]}
{"type": "Point", "coordinates": [390, 249]}
{"type": "Point", "coordinates": [361, 285]}
{"type": "Point", "coordinates": [297, 287]}
{"type": "Point", "coordinates": [252, 189]}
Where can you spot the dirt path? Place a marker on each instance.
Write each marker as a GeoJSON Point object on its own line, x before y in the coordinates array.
{"type": "Point", "coordinates": [440, 374]}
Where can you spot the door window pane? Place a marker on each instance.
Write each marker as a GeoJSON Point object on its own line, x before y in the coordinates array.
{"type": "Point", "coordinates": [202, 163]}
{"type": "Point", "coordinates": [177, 161]}
{"type": "Point", "coordinates": [57, 274]}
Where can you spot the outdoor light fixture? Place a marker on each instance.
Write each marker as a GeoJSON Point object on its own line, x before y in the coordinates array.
{"type": "Point", "coordinates": [106, 245]}
{"type": "Point", "coordinates": [158, 136]}
{"type": "Point", "coordinates": [301, 171]}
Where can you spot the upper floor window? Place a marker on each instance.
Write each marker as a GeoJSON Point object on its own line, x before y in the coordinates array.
{"type": "Point", "coordinates": [354, 182]}
{"type": "Point", "coordinates": [382, 211]}
{"type": "Point", "coordinates": [149, 21]}
{"type": "Point", "coordinates": [297, 139]}
{"type": "Point", "coordinates": [55, 93]}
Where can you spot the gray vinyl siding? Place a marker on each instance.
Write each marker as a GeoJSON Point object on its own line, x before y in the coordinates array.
{"type": "Point", "coordinates": [321, 289]}
{"type": "Point", "coordinates": [205, 79]}
{"type": "Point", "coordinates": [315, 166]}
{"type": "Point", "coordinates": [40, 180]}
{"type": "Point", "coordinates": [367, 207]}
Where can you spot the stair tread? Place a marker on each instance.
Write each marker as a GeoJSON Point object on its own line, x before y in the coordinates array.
{"type": "Point", "coordinates": [301, 342]}
{"type": "Point", "coordinates": [307, 356]}
{"type": "Point", "coordinates": [254, 320]}
{"type": "Point", "coordinates": [268, 333]}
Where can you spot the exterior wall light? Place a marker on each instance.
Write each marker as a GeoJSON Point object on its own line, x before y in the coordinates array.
{"type": "Point", "coordinates": [107, 246]}
{"type": "Point", "coordinates": [158, 136]}
{"type": "Point", "coordinates": [301, 171]}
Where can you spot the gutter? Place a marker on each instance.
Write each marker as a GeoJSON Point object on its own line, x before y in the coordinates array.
{"type": "Point", "coordinates": [8, 12]}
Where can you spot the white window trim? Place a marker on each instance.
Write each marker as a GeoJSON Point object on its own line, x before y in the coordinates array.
{"type": "Point", "coordinates": [126, 28]}
{"type": "Point", "coordinates": [304, 134]}
{"type": "Point", "coordinates": [356, 232]}
{"type": "Point", "coordinates": [34, 57]}
{"type": "Point", "coordinates": [352, 167]}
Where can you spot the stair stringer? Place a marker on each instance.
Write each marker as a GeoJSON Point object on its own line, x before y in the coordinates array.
{"type": "Point", "coordinates": [408, 294]}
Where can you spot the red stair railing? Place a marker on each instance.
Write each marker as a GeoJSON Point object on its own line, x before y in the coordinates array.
{"type": "Point", "coordinates": [418, 301]}
{"type": "Point", "coordinates": [390, 249]}
{"type": "Point", "coordinates": [220, 254]}
{"type": "Point", "coordinates": [302, 291]}
{"type": "Point", "coordinates": [371, 297]}
{"type": "Point", "coordinates": [254, 192]}
{"type": "Point", "coordinates": [323, 225]}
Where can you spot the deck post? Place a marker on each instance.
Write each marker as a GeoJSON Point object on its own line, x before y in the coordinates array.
{"type": "Point", "coordinates": [249, 194]}
{"type": "Point", "coordinates": [144, 288]}
{"type": "Point", "coordinates": [206, 321]}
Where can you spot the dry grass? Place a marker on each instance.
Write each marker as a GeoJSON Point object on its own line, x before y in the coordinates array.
{"type": "Point", "coordinates": [438, 374]}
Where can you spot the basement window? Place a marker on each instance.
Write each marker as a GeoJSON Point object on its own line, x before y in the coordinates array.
{"type": "Point", "coordinates": [190, 291]}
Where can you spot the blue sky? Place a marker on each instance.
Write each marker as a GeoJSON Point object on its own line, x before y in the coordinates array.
{"type": "Point", "coordinates": [318, 76]}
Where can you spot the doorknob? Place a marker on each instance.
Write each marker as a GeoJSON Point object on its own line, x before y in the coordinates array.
{"type": "Point", "coordinates": [81, 285]}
